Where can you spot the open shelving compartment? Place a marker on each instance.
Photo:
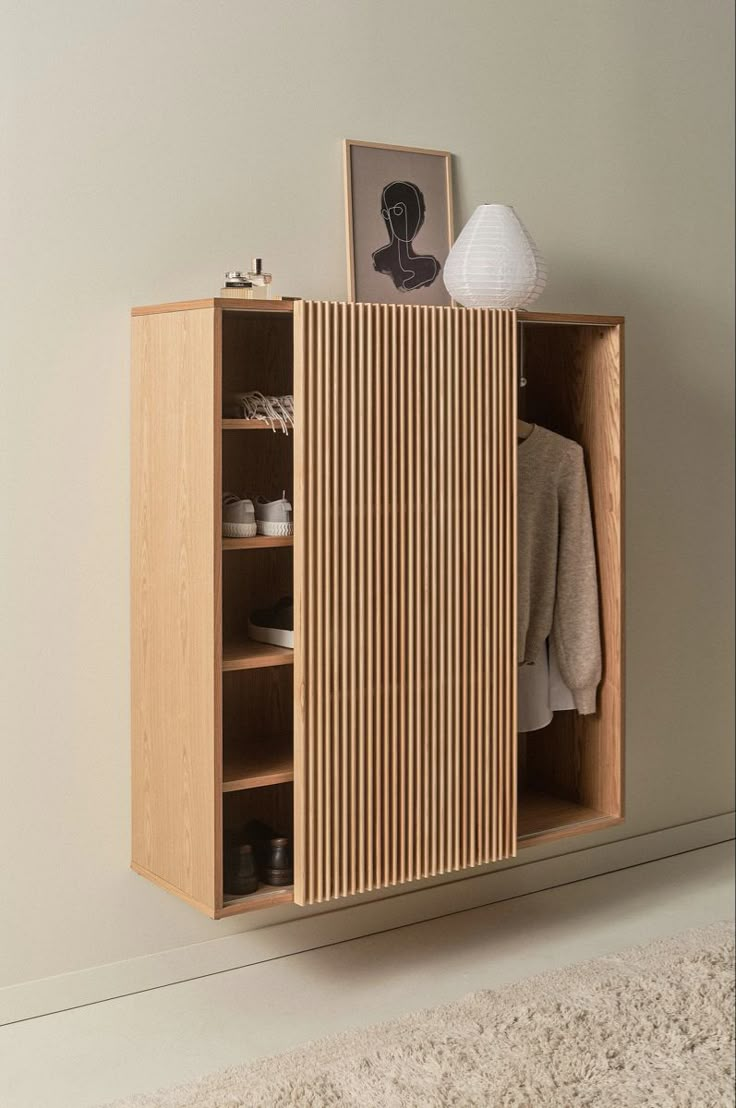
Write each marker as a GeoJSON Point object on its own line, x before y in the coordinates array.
{"type": "Point", "coordinates": [257, 678]}
{"type": "Point", "coordinates": [570, 773]}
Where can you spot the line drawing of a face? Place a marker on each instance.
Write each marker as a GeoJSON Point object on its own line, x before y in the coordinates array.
{"type": "Point", "coordinates": [403, 210]}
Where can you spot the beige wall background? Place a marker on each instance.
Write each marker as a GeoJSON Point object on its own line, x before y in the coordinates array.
{"type": "Point", "coordinates": [150, 145]}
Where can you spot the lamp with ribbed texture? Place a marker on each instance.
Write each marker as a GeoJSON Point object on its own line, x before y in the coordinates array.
{"type": "Point", "coordinates": [494, 262]}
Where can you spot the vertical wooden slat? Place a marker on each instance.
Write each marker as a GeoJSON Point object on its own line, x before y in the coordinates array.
{"type": "Point", "coordinates": [448, 582]}
{"type": "Point", "coordinates": [389, 320]}
{"type": "Point", "coordinates": [496, 611]}
{"type": "Point", "coordinates": [378, 459]}
{"type": "Point", "coordinates": [428, 514]}
{"type": "Point", "coordinates": [437, 637]}
{"type": "Point", "coordinates": [325, 646]}
{"type": "Point", "coordinates": [392, 542]}
{"type": "Point", "coordinates": [318, 768]}
{"type": "Point", "coordinates": [456, 676]}
{"type": "Point", "coordinates": [301, 602]}
{"type": "Point", "coordinates": [515, 372]}
{"type": "Point", "coordinates": [410, 583]}
{"type": "Point", "coordinates": [503, 597]}
{"type": "Point", "coordinates": [506, 592]}
{"type": "Point", "coordinates": [367, 402]}
{"type": "Point", "coordinates": [484, 510]}
{"type": "Point", "coordinates": [512, 377]}
{"type": "Point", "coordinates": [402, 662]}
{"type": "Point", "coordinates": [405, 594]}
{"type": "Point", "coordinates": [472, 693]}
{"type": "Point", "coordinates": [333, 522]}
{"type": "Point", "coordinates": [500, 614]}
{"type": "Point", "coordinates": [486, 585]}
{"type": "Point", "coordinates": [443, 584]}
{"type": "Point", "coordinates": [351, 512]}
{"type": "Point", "coordinates": [468, 486]}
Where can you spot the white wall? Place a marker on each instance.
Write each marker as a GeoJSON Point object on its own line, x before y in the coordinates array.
{"type": "Point", "coordinates": [147, 147]}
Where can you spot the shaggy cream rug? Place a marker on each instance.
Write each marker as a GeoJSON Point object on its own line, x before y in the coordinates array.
{"type": "Point", "coordinates": [649, 1028]}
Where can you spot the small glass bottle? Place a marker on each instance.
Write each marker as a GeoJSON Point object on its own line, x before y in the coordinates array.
{"type": "Point", "coordinates": [260, 281]}
{"type": "Point", "coordinates": [237, 284]}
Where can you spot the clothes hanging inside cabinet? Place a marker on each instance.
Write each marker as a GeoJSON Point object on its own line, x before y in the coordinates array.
{"type": "Point", "coordinates": [557, 575]}
{"type": "Point", "coordinates": [541, 691]}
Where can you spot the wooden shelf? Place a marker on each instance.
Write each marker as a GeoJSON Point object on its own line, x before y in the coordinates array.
{"type": "Point", "coordinates": [261, 765]}
{"type": "Point", "coordinates": [258, 542]}
{"type": "Point", "coordinates": [267, 896]}
{"type": "Point", "coordinates": [543, 817]}
{"type": "Point", "coordinates": [247, 654]}
{"type": "Point", "coordinates": [252, 425]}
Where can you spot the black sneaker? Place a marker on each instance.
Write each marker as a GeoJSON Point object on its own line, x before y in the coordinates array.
{"type": "Point", "coordinates": [274, 625]}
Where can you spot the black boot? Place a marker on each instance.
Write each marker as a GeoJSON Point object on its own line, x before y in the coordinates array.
{"type": "Point", "coordinates": [278, 869]}
{"type": "Point", "coordinates": [240, 876]}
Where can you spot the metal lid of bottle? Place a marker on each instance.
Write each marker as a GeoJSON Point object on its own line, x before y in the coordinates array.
{"type": "Point", "coordinates": [237, 279]}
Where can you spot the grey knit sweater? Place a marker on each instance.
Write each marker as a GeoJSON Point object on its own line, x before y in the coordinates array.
{"type": "Point", "coordinates": [557, 578]}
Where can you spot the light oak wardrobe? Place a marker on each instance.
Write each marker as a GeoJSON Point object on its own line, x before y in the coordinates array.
{"type": "Point", "coordinates": [385, 743]}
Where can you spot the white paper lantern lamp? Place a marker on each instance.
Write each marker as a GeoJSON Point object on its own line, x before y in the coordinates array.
{"type": "Point", "coordinates": [494, 262]}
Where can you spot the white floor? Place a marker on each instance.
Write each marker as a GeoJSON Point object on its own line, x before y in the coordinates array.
{"type": "Point", "coordinates": [91, 1055]}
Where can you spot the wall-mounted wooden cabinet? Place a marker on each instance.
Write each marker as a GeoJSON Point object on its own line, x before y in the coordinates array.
{"type": "Point", "coordinates": [385, 742]}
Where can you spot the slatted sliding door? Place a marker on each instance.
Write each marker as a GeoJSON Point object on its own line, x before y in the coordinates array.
{"type": "Point", "coordinates": [405, 663]}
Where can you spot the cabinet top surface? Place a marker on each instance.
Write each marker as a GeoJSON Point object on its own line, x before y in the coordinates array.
{"type": "Point", "coordinates": [227, 304]}
{"type": "Point", "coordinates": [287, 307]}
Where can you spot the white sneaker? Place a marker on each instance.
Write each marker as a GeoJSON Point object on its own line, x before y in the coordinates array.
{"type": "Point", "coordinates": [238, 517]}
{"type": "Point", "coordinates": [274, 517]}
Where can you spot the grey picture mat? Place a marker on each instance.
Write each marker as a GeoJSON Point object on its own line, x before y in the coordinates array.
{"type": "Point", "coordinates": [371, 168]}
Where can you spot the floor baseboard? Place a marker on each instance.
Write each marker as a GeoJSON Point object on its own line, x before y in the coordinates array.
{"type": "Point", "coordinates": [99, 983]}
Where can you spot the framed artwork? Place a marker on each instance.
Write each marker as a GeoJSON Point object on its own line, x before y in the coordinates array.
{"type": "Point", "coordinates": [398, 210]}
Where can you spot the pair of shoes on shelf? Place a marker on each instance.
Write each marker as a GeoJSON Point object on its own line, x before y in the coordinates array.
{"type": "Point", "coordinates": [275, 411]}
{"type": "Point", "coordinates": [257, 855]}
{"type": "Point", "coordinates": [273, 625]}
{"type": "Point", "coordinates": [244, 518]}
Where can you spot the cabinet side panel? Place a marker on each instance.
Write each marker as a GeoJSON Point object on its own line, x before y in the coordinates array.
{"type": "Point", "coordinates": [301, 510]}
{"type": "Point", "coordinates": [173, 602]}
{"type": "Point", "coordinates": [405, 736]}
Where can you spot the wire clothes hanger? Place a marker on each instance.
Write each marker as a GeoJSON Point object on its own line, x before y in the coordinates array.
{"type": "Point", "coordinates": [523, 429]}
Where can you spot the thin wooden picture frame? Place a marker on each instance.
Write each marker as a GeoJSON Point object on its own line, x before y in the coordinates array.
{"type": "Point", "coordinates": [424, 295]}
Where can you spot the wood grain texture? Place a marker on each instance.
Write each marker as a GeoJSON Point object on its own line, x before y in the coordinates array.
{"type": "Point", "coordinates": [266, 896]}
{"type": "Point", "coordinates": [404, 682]}
{"type": "Point", "coordinates": [174, 605]}
{"type": "Point", "coordinates": [257, 767]}
{"type": "Point", "coordinates": [271, 804]}
{"type": "Point", "coordinates": [256, 307]}
{"type": "Point", "coordinates": [575, 387]}
{"type": "Point", "coordinates": [257, 718]}
{"type": "Point", "coordinates": [252, 579]}
{"type": "Point", "coordinates": [404, 612]}
{"type": "Point", "coordinates": [247, 654]}
{"type": "Point", "coordinates": [257, 463]}
{"type": "Point", "coordinates": [545, 817]}
{"type": "Point", "coordinates": [567, 318]}
{"type": "Point", "coordinates": [248, 425]}
{"type": "Point", "coordinates": [258, 542]}
{"type": "Point", "coordinates": [258, 355]}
